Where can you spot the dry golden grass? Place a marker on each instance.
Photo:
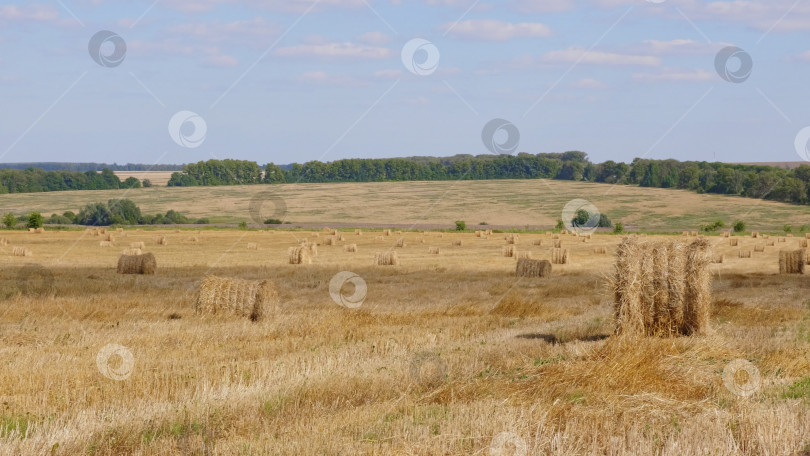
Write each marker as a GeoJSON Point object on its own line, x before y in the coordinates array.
{"type": "Point", "coordinates": [445, 354]}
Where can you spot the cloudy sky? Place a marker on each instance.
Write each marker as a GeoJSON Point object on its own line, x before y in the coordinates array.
{"type": "Point", "coordinates": [175, 81]}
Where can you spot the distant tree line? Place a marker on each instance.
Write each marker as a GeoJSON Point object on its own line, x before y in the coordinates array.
{"type": "Point", "coordinates": [753, 181]}
{"type": "Point", "coordinates": [37, 180]}
{"type": "Point", "coordinates": [113, 212]}
{"type": "Point", "coordinates": [81, 167]}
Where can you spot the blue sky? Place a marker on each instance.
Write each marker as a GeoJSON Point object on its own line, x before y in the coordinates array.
{"type": "Point", "coordinates": [297, 80]}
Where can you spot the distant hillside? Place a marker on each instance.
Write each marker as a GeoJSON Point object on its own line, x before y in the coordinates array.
{"type": "Point", "coordinates": [82, 167]}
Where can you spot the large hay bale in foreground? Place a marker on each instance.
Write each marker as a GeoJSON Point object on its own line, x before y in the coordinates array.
{"type": "Point", "coordinates": [245, 298]}
{"type": "Point", "coordinates": [299, 255]}
{"type": "Point", "coordinates": [662, 288]}
{"type": "Point", "coordinates": [386, 259]}
{"type": "Point", "coordinates": [792, 261]}
{"type": "Point", "coordinates": [533, 268]}
{"type": "Point", "coordinates": [137, 264]}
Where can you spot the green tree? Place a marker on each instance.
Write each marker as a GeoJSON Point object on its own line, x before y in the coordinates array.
{"type": "Point", "coordinates": [461, 225]}
{"type": "Point", "coordinates": [618, 228]}
{"type": "Point", "coordinates": [131, 182]}
{"type": "Point", "coordinates": [560, 225]}
{"type": "Point", "coordinates": [739, 226]}
{"type": "Point", "coordinates": [9, 220]}
{"type": "Point", "coordinates": [35, 220]}
{"type": "Point", "coordinates": [95, 214]}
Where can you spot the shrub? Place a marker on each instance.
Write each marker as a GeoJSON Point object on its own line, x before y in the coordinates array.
{"type": "Point", "coordinates": [202, 221]}
{"type": "Point", "coordinates": [272, 221]}
{"type": "Point", "coordinates": [461, 225]}
{"type": "Point", "coordinates": [146, 183]}
{"type": "Point", "coordinates": [35, 220]}
{"type": "Point", "coordinates": [131, 182]}
{"type": "Point", "coordinates": [560, 225]}
{"type": "Point", "coordinates": [619, 228]}
{"type": "Point", "coordinates": [712, 227]}
{"type": "Point", "coordinates": [483, 223]}
{"type": "Point", "coordinates": [9, 220]}
{"type": "Point", "coordinates": [739, 226]}
{"type": "Point", "coordinates": [604, 221]}
{"type": "Point", "coordinates": [243, 225]}
{"type": "Point", "coordinates": [787, 228]}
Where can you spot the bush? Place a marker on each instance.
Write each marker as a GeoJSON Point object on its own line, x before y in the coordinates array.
{"type": "Point", "coordinates": [56, 219]}
{"type": "Point", "coordinates": [34, 220]}
{"type": "Point", "coordinates": [787, 228]}
{"type": "Point", "coordinates": [272, 221]}
{"type": "Point", "coordinates": [243, 225]}
{"type": "Point", "coordinates": [604, 221]}
{"type": "Point", "coordinates": [461, 225]}
{"type": "Point", "coordinates": [146, 183]}
{"type": "Point", "coordinates": [131, 182]}
{"type": "Point", "coordinates": [711, 227]}
{"type": "Point", "coordinates": [619, 228]}
{"type": "Point", "coordinates": [739, 226]}
{"type": "Point", "coordinates": [560, 225]}
{"type": "Point", "coordinates": [9, 220]}
{"type": "Point", "coordinates": [202, 221]}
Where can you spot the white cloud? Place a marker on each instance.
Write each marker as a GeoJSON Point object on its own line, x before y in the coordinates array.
{"type": "Point", "coordinates": [535, 7]}
{"type": "Point", "coordinates": [680, 47]}
{"type": "Point", "coordinates": [374, 38]}
{"type": "Point", "coordinates": [676, 76]}
{"type": "Point", "coordinates": [335, 51]}
{"type": "Point", "coordinates": [589, 83]}
{"type": "Point", "coordinates": [576, 54]}
{"type": "Point", "coordinates": [323, 78]}
{"type": "Point", "coordinates": [492, 30]}
{"type": "Point", "coordinates": [220, 61]}
{"type": "Point", "coordinates": [255, 30]}
{"type": "Point", "coordinates": [35, 13]}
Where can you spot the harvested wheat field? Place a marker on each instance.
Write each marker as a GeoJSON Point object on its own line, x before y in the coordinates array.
{"type": "Point", "coordinates": [449, 354]}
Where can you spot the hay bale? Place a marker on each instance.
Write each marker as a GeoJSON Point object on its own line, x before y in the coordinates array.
{"type": "Point", "coordinates": [379, 238]}
{"type": "Point", "coordinates": [137, 264]}
{"type": "Point", "coordinates": [194, 239]}
{"type": "Point", "coordinates": [557, 244]}
{"type": "Point", "coordinates": [340, 237]}
{"type": "Point", "coordinates": [555, 236]}
{"type": "Point", "coordinates": [252, 246]}
{"type": "Point", "coordinates": [790, 235]}
{"type": "Point", "coordinates": [433, 250]}
{"type": "Point", "coordinates": [386, 232]}
{"type": "Point", "coordinates": [31, 230]}
{"type": "Point", "coordinates": [559, 256]}
{"type": "Point", "coordinates": [21, 252]}
{"type": "Point", "coordinates": [161, 240]}
{"type": "Point", "coordinates": [512, 238]}
{"type": "Point", "coordinates": [457, 243]}
{"type": "Point", "coordinates": [137, 245]}
{"type": "Point", "coordinates": [564, 232]}
{"type": "Point", "coordinates": [358, 232]}
{"type": "Point", "coordinates": [769, 243]}
{"type": "Point", "coordinates": [600, 250]}
{"type": "Point", "coordinates": [400, 243]}
{"type": "Point", "coordinates": [299, 255]}
{"type": "Point", "coordinates": [479, 234]}
{"type": "Point", "coordinates": [537, 242]}
{"type": "Point", "coordinates": [803, 243]}
{"type": "Point", "coordinates": [105, 244]}
{"type": "Point", "coordinates": [109, 237]}
{"type": "Point", "coordinates": [744, 254]}
{"type": "Point", "coordinates": [3, 242]}
{"type": "Point", "coordinates": [733, 242]}
{"type": "Point", "coordinates": [488, 232]}
{"type": "Point", "coordinates": [759, 248]}
{"type": "Point", "coordinates": [386, 259]}
{"type": "Point", "coordinates": [331, 240]}
{"type": "Point", "coordinates": [131, 251]}
{"type": "Point", "coordinates": [718, 259]}
{"type": "Point", "coordinates": [693, 233]}
{"type": "Point", "coordinates": [509, 251]}
{"type": "Point", "coordinates": [726, 234]}
{"type": "Point", "coordinates": [755, 234]}
{"type": "Point", "coordinates": [524, 255]}
{"type": "Point", "coordinates": [244, 298]}
{"type": "Point", "coordinates": [662, 288]}
{"type": "Point", "coordinates": [351, 248]}
{"type": "Point", "coordinates": [532, 268]}
{"type": "Point", "coordinates": [792, 261]}
{"type": "Point", "coordinates": [685, 233]}
{"type": "Point", "coordinates": [585, 239]}
{"type": "Point", "coordinates": [781, 239]}
{"type": "Point", "coordinates": [398, 233]}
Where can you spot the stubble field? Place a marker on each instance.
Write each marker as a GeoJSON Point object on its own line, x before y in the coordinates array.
{"type": "Point", "coordinates": [448, 354]}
